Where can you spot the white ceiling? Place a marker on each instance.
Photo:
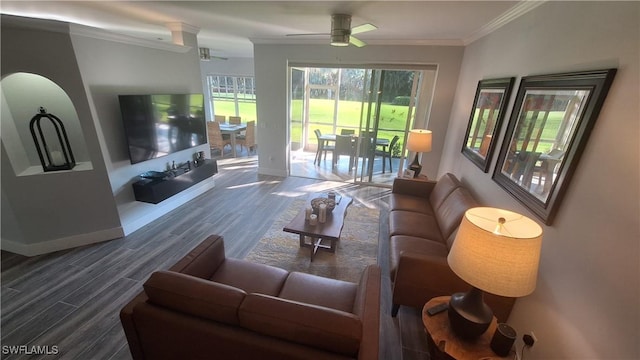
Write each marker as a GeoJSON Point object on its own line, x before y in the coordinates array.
{"type": "Point", "coordinates": [230, 28]}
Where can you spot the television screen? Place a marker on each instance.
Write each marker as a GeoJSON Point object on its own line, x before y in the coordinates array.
{"type": "Point", "coordinates": [158, 125]}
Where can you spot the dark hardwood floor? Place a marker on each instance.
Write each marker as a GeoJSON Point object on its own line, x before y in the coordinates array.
{"type": "Point", "coordinates": [69, 300]}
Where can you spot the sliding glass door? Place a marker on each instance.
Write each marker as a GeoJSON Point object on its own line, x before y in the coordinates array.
{"type": "Point", "coordinates": [375, 107]}
{"type": "Point", "coordinates": [388, 114]}
{"type": "Point", "coordinates": [297, 132]}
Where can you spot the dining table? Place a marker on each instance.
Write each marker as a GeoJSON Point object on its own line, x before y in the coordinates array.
{"type": "Point", "coordinates": [332, 137]}
{"type": "Point", "coordinates": [233, 130]}
{"type": "Point", "coordinates": [325, 138]}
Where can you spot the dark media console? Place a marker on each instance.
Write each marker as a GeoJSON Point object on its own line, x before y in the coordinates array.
{"type": "Point", "coordinates": [156, 190]}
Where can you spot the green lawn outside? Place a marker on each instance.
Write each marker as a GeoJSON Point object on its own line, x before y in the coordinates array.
{"type": "Point", "coordinates": [247, 110]}
{"type": "Point", "coordinates": [392, 118]}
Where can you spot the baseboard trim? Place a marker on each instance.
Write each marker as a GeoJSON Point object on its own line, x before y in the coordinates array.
{"type": "Point", "coordinates": [272, 172]}
{"type": "Point", "coordinates": [45, 247]}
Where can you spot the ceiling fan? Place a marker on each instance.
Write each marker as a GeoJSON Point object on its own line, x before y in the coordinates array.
{"type": "Point", "coordinates": [341, 31]}
{"type": "Point", "coordinates": [205, 55]}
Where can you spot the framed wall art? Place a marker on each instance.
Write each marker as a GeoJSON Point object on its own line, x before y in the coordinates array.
{"type": "Point", "coordinates": [548, 130]}
{"type": "Point", "coordinates": [489, 107]}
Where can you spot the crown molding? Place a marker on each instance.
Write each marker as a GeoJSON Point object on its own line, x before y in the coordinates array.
{"type": "Point", "coordinates": [422, 42]}
{"type": "Point", "coordinates": [515, 12]}
{"type": "Point", "coordinates": [64, 27]}
{"type": "Point", "coordinates": [86, 31]}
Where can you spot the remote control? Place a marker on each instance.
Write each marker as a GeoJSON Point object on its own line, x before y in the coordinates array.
{"type": "Point", "coordinates": [437, 309]}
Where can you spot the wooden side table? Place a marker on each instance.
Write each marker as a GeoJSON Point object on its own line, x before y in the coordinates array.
{"type": "Point", "coordinates": [444, 344]}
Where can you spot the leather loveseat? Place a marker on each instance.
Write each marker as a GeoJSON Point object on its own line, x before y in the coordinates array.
{"type": "Point", "coordinates": [423, 221]}
{"type": "Point", "coordinates": [208, 306]}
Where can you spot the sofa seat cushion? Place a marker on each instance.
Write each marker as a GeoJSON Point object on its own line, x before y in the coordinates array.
{"type": "Point", "coordinates": [195, 296]}
{"type": "Point", "coordinates": [321, 291]}
{"type": "Point", "coordinates": [410, 203]}
{"type": "Point", "coordinates": [415, 224]}
{"type": "Point", "coordinates": [251, 277]}
{"type": "Point", "coordinates": [401, 243]}
{"type": "Point", "coordinates": [311, 325]}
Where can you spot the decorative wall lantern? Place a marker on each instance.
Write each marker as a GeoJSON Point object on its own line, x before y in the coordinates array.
{"type": "Point", "coordinates": [54, 150]}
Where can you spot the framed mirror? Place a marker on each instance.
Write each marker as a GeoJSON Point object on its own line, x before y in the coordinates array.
{"type": "Point", "coordinates": [489, 107]}
{"type": "Point", "coordinates": [548, 130]}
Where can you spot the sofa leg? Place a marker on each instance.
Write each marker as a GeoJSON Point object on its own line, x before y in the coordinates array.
{"type": "Point", "coordinates": [394, 310]}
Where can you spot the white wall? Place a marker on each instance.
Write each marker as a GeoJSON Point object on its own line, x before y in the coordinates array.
{"type": "Point", "coordinates": [112, 68]}
{"type": "Point", "coordinates": [53, 211]}
{"type": "Point", "coordinates": [271, 65]}
{"type": "Point", "coordinates": [587, 302]}
{"type": "Point", "coordinates": [64, 208]}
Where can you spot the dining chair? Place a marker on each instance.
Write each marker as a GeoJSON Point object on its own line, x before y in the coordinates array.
{"type": "Point", "coordinates": [235, 120]}
{"type": "Point", "coordinates": [216, 141]}
{"type": "Point", "coordinates": [220, 118]}
{"type": "Point", "coordinates": [367, 145]}
{"type": "Point", "coordinates": [248, 140]}
{"type": "Point", "coordinates": [344, 146]}
{"type": "Point", "coordinates": [322, 147]}
{"type": "Point", "coordinates": [347, 132]}
{"type": "Point", "coordinates": [387, 153]}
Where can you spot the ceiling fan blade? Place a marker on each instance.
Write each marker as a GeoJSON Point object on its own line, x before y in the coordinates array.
{"type": "Point", "coordinates": [309, 34]}
{"type": "Point", "coordinates": [363, 28]}
{"type": "Point", "coordinates": [357, 42]}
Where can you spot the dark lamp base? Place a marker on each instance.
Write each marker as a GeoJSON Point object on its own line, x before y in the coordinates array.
{"type": "Point", "coordinates": [415, 167]}
{"type": "Point", "coordinates": [469, 316]}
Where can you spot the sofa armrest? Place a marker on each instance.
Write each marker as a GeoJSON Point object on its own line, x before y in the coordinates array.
{"type": "Point", "coordinates": [430, 271]}
{"type": "Point", "coordinates": [203, 261]}
{"type": "Point", "coordinates": [419, 188]}
{"type": "Point", "coordinates": [367, 308]}
{"type": "Point", "coordinates": [126, 318]}
{"type": "Point", "coordinates": [420, 277]}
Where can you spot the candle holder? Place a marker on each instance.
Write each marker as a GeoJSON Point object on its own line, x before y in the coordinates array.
{"type": "Point", "coordinates": [54, 151]}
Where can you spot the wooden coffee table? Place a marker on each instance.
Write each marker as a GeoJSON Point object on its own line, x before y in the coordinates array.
{"type": "Point", "coordinates": [329, 231]}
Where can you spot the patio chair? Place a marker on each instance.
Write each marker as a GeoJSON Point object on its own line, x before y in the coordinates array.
{"type": "Point", "coordinates": [387, 153]}
{"type": "Point", "coordinates": [345, 145]}
{"type": "Point", "coordinates": [322, 147]}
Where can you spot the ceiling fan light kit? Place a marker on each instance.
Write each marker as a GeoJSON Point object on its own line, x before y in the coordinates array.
{"type": "Point", "coordinates": [341, 31]}
{"type": "Point", "coordinates": [340, 40]}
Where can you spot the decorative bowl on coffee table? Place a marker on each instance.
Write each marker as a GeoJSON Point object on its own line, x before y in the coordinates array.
{"type": "Point", "coordinates": [315, 204]}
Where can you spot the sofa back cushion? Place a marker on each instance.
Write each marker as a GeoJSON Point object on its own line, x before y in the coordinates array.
{"type": "Point", "coordinates": [317, 326]}
{"type": "Point", "coordinates": [450, 213]}
{"type": "Point", "coordinates": [443, 187]}
{"type": "Point", "coordinates": [194, 296]}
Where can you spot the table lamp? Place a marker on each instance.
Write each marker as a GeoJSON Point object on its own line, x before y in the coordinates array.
{"type": "Point", "coordinates": [419, 141]}
{"type": "Point", "coordinates": [495, 251]}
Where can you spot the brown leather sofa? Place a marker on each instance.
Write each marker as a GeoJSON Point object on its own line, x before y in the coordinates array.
{"type": "Point", "coordinates": [208, 306]}
{"type": "Point", "coordinates": [423, 221]}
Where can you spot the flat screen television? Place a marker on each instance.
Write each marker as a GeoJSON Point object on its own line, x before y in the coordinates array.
{"type": "Point", "coordinates": [158, 125]}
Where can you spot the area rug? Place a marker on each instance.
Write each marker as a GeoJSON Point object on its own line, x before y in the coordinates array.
{"type": "Point", "coordinates": [357, 247]}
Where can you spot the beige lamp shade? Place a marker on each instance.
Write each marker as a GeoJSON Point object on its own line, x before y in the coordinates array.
{"type": "Point", "coordinates": [419, 140]}
{"type": "Point", "coordinates": [497, 251]}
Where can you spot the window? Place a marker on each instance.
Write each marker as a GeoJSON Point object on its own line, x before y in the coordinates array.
{"type": "Point", "coordinates": [233, 96]}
